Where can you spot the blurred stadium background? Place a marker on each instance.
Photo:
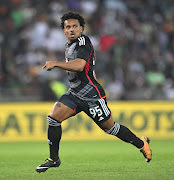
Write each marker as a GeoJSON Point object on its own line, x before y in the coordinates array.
{"type": "Point", "coordinates": [134, 43]}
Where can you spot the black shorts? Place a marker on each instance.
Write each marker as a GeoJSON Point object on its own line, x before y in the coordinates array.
{"type": "Point", "coordinates": [95, 109]}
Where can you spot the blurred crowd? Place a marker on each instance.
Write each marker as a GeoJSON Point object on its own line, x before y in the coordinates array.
{"type": "Point", "coordinates": [133, 40]}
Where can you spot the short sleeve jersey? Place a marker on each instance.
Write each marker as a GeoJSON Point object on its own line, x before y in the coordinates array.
{"type": "Point", "coordinates": [83, 84]}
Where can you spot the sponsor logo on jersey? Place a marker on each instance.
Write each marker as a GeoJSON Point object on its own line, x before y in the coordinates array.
{"type": "Point", "coordinates": [71, 49]}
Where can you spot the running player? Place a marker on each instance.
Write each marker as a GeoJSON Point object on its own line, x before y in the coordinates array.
{"type": "Point", "coordinates": [85, 93]}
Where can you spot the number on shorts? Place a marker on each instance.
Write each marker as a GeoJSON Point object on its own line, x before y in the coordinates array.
{"type": "Point", "coordinates": [95, 111]}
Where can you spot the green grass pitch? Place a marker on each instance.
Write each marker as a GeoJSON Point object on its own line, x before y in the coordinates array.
{"type": "Point", "coordinates": [88, 160]}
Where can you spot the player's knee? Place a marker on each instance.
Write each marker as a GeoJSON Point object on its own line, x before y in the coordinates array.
{"type": "Point", "coordinates": [114, 130]}
{"type": "Point", "coordinates": [53, 122]}
{"type": "Point", "coordinates": [57, 116]}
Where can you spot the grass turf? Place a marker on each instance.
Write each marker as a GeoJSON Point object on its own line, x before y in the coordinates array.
{"type": "Point", "coordinates": [94, 160]}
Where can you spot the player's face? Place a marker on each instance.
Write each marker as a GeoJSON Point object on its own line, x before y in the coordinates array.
{"type": "Point", "coordinates": [72, 29]}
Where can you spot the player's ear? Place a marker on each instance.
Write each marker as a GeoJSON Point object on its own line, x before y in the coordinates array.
{"type": "Point", "coordinates": [81, 29]}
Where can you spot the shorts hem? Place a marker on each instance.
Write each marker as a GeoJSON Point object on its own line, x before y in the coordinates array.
{"type": "Point", "coordinates": [100, 122]}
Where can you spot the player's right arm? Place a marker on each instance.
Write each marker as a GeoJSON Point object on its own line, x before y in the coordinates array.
{"type": "Point", "coordinates": [77, 64]}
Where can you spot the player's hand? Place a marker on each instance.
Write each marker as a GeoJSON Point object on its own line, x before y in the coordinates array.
{"type": "Point", "coordinates": [49, 65]}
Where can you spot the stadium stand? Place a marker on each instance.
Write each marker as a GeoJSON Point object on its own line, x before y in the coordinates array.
{"type": "Point", "coordinates": [134, 43]}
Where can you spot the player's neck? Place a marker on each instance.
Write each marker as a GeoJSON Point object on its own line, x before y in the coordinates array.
{"type": "Point", "coordinates": [71, 41]}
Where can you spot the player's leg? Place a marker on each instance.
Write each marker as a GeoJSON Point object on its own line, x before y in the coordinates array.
{"type": "Point", "coordinates": [61, 111]}
{"type": "Point", "coordinates": [101, 115]}
{"type": "Point", "coordinates": [123, 133]}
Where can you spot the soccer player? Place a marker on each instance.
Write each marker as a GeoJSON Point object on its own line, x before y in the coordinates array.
{"type": "Point", "coordinates": [85, 93]}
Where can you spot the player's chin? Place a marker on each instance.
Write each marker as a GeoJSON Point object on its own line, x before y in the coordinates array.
{"type": "Point", "coordinates": [72, 38]}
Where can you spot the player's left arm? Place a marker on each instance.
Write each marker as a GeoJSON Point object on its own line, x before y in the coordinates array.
{"type": "Point", "coordinates": [77, 64]}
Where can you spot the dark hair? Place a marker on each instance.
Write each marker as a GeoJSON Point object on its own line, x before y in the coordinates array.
{"type": "Point", "coordinates": [72, 15]}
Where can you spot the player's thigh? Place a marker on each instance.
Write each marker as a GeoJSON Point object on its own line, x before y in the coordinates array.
{"type": "Point", "coordinates": [98, 111]}
{"type": "Point", "coordinates": [61, 111]}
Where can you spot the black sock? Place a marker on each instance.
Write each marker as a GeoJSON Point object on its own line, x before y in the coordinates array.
{"type": "Point", "coordinates": [54, 136]}
{"type": "Point", "coordinates": [126, 135]}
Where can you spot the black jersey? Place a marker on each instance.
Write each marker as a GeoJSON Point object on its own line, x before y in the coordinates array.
{"type": "Point", "coordinates": [83, 84]}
